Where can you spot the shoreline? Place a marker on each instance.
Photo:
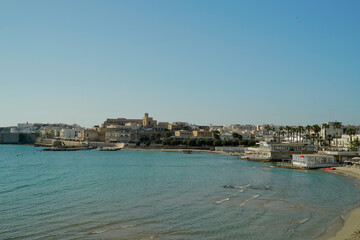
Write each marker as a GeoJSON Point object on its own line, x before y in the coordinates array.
{"type": "Point", "coordinates": [351, 225]}
{"type": "Point", "coordinates": [180, 150]}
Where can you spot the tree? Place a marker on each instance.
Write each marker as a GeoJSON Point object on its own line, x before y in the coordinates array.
{"type": "Point", "coordinates": [288, 129]}
{"type": "Point", "coordinates": [316, 128]}
{"type": "Point", "coordinates": [191, 142]}
{"type": "Point", "coordinates": [144, 139]}
{"type": "Point", "coordinates": [351, 132]}
{"type": "Point", "coordinates": [300, 129]}
{"type": "Point", "coordinates": [200, 142]}
{"type": "Point", "coordinates": [282, 133]}
{"type": "Point", "coordinates": [329, 138]}
{"type": "Point", "coordinates": [216, 134]}
{"type": "Point", "coordinates": [237, 136]}
{"type": "Point", "coordinates": [325, 126]}
{"type": "Point", "coordinates": [175, 142]}
{"type": "Point", "coordinates": [354, 145]}
{"type": "Point", "coordinates": [217, 142]}
{"type": "Point", "coordinates": [166, 141]}
{"type": "Point", "coordinates": [267, 127]}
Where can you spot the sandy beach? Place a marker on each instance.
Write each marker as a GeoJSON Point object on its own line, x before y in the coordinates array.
{"type": "Point", "coordinates": [351, 228]}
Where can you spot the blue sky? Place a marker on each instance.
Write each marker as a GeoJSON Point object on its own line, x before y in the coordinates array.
{"type": "Point", "coordinates": [219, 62]}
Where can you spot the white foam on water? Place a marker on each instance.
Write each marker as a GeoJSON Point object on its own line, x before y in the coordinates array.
{"type": "Point", "coordinates": [301, 221]}
{"type": "Point", "coordinates": [127, 226]}
{"type": "Point", "coordinates": [249, 199]}
{"type": "Point", "coordinates": [223, 200]}
{"type": "Point", "coordinates": [100, 231]}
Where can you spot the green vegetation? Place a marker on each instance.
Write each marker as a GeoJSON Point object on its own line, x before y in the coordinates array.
{"type": "Point", "coordinates": [202, 142]}
{"type": "Point", "coordinates": [354, 145]}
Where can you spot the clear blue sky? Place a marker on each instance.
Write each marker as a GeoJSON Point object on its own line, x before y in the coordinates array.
{"type": "Point", "coordinates": [220, 62]}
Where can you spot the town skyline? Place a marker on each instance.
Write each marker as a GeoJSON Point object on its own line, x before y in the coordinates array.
{"type": "Point", "coordinates": [179, 120]}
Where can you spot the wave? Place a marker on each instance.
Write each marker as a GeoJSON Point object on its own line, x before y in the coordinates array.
{"type": "Point", "coordinates": [237, 187]}
{"type": "Point", "coordinates": [114, 228]}
{"type": "Point", "coordinates": [249, 199]}
{"type": "Point", "coordinates": [301, 221]}
{"type": "Point", "coordinates": [100, 231]}
{"type": "Point", "coordinates": [223, 200]}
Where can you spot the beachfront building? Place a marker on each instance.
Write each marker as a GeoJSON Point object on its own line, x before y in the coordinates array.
{"type": "Point", "coordinates": [91, 135]}
{"type": "Point", "coordinates": [313, 161]}
{"type": "Point", "coordinates": [202, 134]}
{"type": "Point", "coordinates": [334, 129]}
{"type": "Point", "coordinates": [183, 134]}
{"type": "Point", "coordinates": [343, 143]}
{"type": "Point", "coordinates": [341, 156]}
{"type": "Point", "coordinates": [118, 136]}
{"type": "Point", "coordinates": [270, 151]}
{"type": "Point", "coordinates": [69, 134]}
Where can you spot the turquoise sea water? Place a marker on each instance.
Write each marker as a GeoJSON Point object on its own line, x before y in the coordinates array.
{"type": "Point", "coordinates": [162, 195]}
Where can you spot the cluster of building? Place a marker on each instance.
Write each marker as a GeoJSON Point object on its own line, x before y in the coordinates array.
{"type": "Point", "coordinates": [275, 143]}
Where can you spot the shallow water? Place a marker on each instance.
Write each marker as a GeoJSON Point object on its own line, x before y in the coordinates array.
{"type": "Point", "coordinates": [162, 195]}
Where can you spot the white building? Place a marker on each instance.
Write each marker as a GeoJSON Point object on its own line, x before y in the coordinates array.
{"type": "Point", "coordinates": [118, 136]}
{"type": "Point", "coordinates": [24, 128]}
{"type": "Point", "coordinates": [343, 143]}
{"type": "Point", "coordinates": [313, 161]}
{"type": "Point", "coordinates": [69, 133]}
{"type": "Point", "coordinates": [332, 130]}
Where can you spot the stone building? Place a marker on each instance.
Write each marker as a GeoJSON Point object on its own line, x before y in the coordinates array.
{"type": "Point", "coordinates": [202, 134]}
{"type": "Point", "coordinates": [269, 151]}
{"type": "Point", "coordinates": [147, 121]}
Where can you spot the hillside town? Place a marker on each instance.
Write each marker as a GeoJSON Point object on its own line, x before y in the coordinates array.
{"type": "Point", "coordinates": [265, 142]}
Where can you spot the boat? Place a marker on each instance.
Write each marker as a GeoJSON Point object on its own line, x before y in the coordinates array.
{"type": "Point", "coordinates": [330, 168]}
{"type": "Point", "coordinates": [109, 149]}
{"type": "Point", "coordinates": [187, 152]}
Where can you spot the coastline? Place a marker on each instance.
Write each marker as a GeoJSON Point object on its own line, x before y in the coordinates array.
{"type": "Point", "coordinates": [181, 150]}
{"type": "Point", "coordinates": [351, 227]}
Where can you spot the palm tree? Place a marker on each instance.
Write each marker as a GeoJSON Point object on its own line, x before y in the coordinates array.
{"type": "Point", "coordinates": [320, 141]}
{"type": "Point", "coordinates": [308, 128]}
{"type": "Point", "coordinates": [351, 132]}
{"type": "Point", "coordinates": [293, 130]}
{"type": "Point", "coordinates": [337, 125]}
{"type": "Point", "coordinates": [282, 133]}
{"type": "Point", "coordinates": [313, 137]}
{"type": "Point", "coordinates": [279, 132]}
{"type": "Point", "coordinates": [329, 138]}
{"type": "Point", "coordinates": [316, 128]}
{"type": "Point", "coordinates": [300, 130]}
{"type": "Point", "coordinates": [325, 126]}
{"type": "Point", "coordinates": [267, 127]}
{"type": "Point", "coordinates": [288, 129]}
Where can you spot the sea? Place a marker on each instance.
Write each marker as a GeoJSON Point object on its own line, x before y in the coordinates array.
{"type": "Point", "coordinates": [164, 195]}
